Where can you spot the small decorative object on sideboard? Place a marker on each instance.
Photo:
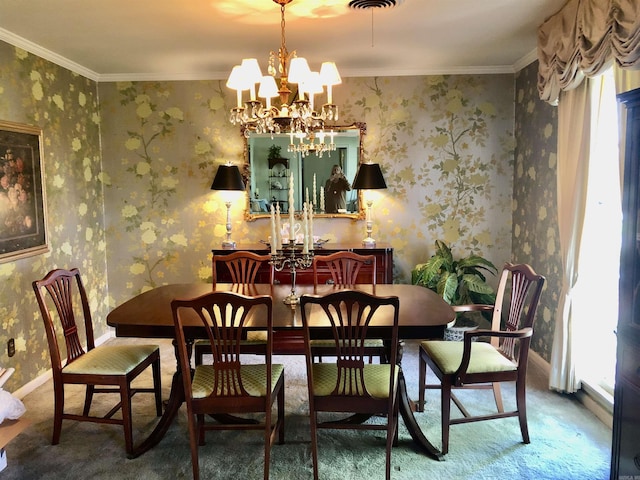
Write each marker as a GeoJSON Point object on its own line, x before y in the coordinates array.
{"type": "Point", "coordinates": [458, 282]}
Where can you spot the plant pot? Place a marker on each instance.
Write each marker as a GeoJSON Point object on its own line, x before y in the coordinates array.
{"type": "Point", "coordinates": [455, 330]}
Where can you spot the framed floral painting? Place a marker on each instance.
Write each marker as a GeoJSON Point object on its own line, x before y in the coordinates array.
{"type": "Point", "coordinates": [22, 197]}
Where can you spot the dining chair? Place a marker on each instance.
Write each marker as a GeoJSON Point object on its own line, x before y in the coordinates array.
{"type": "Point", "coordinates": [243, 268]}
{"type": "Point", "coordinates": [344, 268]}
{"type": "Point", "coordinates": [228, 386]}
{"type": "Point", "coordinates": [103, 369]}
{"type": "Point", "coordinates": [349, 385]}
{"type": "Point", "coordinates": [485, 364]}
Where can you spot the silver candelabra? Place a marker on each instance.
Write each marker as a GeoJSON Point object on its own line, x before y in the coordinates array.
{"type": "Point", "coordinates": [292, 256]}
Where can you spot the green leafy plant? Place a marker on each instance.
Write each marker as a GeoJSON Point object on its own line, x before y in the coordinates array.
{"type": "Point", "coordinates": [458, 282]}
{"type": "Point", "coordinates": [274, 152]}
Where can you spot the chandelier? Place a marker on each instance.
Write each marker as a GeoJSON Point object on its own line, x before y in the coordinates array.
{"type": "Point", "coordinates": [299, 117]}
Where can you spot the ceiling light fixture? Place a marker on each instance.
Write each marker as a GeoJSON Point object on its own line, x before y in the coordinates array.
{"type": "Point", "coordinates": [298, 117]}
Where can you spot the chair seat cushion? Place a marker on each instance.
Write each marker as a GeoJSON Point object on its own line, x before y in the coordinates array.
{"type": "Point", "coordinates": [484, 357]}
{"type": "Point", "coordinates": [110, 360]}
{"type": "Point", "coordinates": [376, 379]}
{"type": "Point", "coordinates": [254, 379]}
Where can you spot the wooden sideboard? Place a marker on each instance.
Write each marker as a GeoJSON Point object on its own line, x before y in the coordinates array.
{"type": "Point", "coordinates": [382, 252]}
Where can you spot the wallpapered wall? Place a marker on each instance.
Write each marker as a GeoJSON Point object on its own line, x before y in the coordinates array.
{"type": "Point", "coordinates": [535, 220]}
{"type": "Point", "coordinates": [65, 105]}
{"type": "Point", "coordinates": [445, 143]}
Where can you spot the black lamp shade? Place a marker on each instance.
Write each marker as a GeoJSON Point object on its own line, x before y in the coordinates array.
{"type": "Point", "coordinates": [369, 177]}
{"type": "Point", "coordinates": [227, 177]}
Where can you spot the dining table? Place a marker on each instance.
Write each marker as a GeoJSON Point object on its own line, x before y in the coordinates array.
{"type": "Point", "coordinates": [423, 314]}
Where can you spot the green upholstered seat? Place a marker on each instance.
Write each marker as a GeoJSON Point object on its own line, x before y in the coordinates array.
{"type": "Point", "coordinates": [371, 343]}
{"type": "Point", "coordinates": [484, 357]}
{"type": "Point", "coordinates": [254, 379]}
{"type": "Point", "coordinates": [376, 379]}
{"type": "Point", "coordinates": [110, 360]}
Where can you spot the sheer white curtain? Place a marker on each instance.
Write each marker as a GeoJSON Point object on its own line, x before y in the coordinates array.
{"type": "Point", "coordinates": [574, 119]}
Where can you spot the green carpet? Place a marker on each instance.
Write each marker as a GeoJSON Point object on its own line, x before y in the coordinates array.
{"type": "Point", "coordinates": [567, 441]}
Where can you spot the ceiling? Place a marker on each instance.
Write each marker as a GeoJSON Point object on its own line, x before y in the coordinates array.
{"type": "Point", "coordinates": [203, 39]}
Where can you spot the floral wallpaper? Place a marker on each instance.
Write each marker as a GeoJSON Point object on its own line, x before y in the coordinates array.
{"type": "Point", "coordinates": [535, 221]}
{"type": "Point", "coordinates": [128, 180]}
{"type": "Point", "coordinates": [445, 144]}
{"type": "Point", "coordinates": [65, 106]}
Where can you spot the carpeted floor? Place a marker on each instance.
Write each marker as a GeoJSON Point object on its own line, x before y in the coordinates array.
{"type": "Point", "coordinates": [567, 441]}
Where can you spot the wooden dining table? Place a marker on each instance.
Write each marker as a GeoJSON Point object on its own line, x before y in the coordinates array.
{"type": "Point", "coordinates": [423, 314]}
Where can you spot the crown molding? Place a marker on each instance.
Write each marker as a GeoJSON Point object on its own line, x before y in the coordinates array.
{"type": "Point", "coordinates": [525, 61]}
{"type": "Point", "coordinates": [35, 49]}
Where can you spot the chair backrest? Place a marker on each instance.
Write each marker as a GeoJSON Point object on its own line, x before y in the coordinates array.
{"type": "Point", "coordinates": [59, 284]}
{"type": "Point", "coordinates": [243, 266]}
{"type": "Point", "coordinates": [349, 313]}
{"type": "Point", "coordinates": [224, 317]}
{"type": "Point", "coordinates": [523, 299]}
{"type": "Point", "coordinates": [344, 267]}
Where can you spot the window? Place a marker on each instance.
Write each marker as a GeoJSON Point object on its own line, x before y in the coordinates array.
{"type": "Point", "coordinates": [596, 291]}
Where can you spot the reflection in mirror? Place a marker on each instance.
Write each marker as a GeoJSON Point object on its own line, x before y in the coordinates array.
{"type": "Point", "coordinates": [271, 164]}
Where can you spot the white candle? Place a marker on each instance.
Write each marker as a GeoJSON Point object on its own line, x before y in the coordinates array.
{"type": "Point", "coordinates": [311, 227]}
{"type": "Point", "coordinates": [274, 238]}
{"type": "Point", "coordinates": [278, 227]}
{"type": "Point", "coordinates": [306, 195]}
{"type": "Point", "coordinates": [322, 199]}
{"type": "Point", "coordinates": [314, 199]}
{"type": "Point", "coordinates": [305, 229]}
{"type": "Point", "coordinates": [292, 217]}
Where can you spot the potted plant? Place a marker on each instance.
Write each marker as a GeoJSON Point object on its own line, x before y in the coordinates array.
{"type": "Point", "coordinates": [460, 281]}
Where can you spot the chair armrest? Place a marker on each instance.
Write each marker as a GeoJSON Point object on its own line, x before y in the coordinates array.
{"type": "Point", "coordinates": [467, 342]}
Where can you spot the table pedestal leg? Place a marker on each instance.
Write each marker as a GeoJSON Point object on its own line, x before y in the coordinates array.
{"type": "Point", "coordinates": [176, 397]}
{"type": "Point", "coordinates": [412, 425]}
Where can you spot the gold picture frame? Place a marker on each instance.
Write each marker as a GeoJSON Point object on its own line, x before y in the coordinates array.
{"type": "Point", "coordinates": [23, 215]}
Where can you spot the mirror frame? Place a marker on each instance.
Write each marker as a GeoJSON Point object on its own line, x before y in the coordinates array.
{"type": "Point", "coordinates": [246, 174]}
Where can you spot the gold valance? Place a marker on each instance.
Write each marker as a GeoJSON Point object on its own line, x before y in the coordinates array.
{"type": "Point", "coordinates": [582, 40]}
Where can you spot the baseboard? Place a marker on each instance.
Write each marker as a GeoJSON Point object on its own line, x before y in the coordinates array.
{"type": "Point", "coordinates": [46, 376]}
{"type": "Point", "coordinates": [594, 401]}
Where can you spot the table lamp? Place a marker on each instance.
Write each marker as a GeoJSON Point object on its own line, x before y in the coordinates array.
{"type": "Point", "coordinates": [228, 177]}
{"type": "Point", "coordinates": [369, 177]}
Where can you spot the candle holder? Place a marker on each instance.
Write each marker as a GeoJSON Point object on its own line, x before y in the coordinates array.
{"type": "Point", "coordinates": [291, 255]}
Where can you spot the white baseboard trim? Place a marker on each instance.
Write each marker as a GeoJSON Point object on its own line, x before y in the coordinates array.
{"type": "Point", "coordinates": [597, 404]}
{"type": "Point", "coordinates": [46, 376]}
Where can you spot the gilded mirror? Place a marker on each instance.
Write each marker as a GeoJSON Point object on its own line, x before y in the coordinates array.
{"type": "Point", "coordinates": [271, 163]}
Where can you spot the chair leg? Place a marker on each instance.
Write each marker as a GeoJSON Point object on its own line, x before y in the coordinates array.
{"type": "Point", "coordinates": [497, 395]}
{"type": "Point", "coordinates": [281, 415]}
{"type": "Point", "coordinates": [422, 377]}
{"type": "Point", "coordinates": [445, 399]}
{"type": "Point", "coordinates": [267, 443]}
{"type": "Point", "coordinates": [193, 445]}
{"type": "Point", "coordinates": [88, 398]}
{"type": "Point", "coordinates": [521, 402]}
{"type": "Point", "coordinates": [157, 385]}
{"type": "Point", "coordinates": [314, 443]}
{"type": "Point", "coordinates": [125, 399]}
{"type": "Point", "coordinates": [58, 413]}
{"type": "Point", "coordinates": [200, 429]}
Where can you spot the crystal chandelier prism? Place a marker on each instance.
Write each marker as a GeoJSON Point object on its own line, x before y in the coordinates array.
{"type": "Point", "coordinates": [298, 117]}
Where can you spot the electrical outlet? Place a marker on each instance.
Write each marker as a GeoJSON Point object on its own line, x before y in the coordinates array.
{"type": "Point", "coordinates": [11, 347]}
